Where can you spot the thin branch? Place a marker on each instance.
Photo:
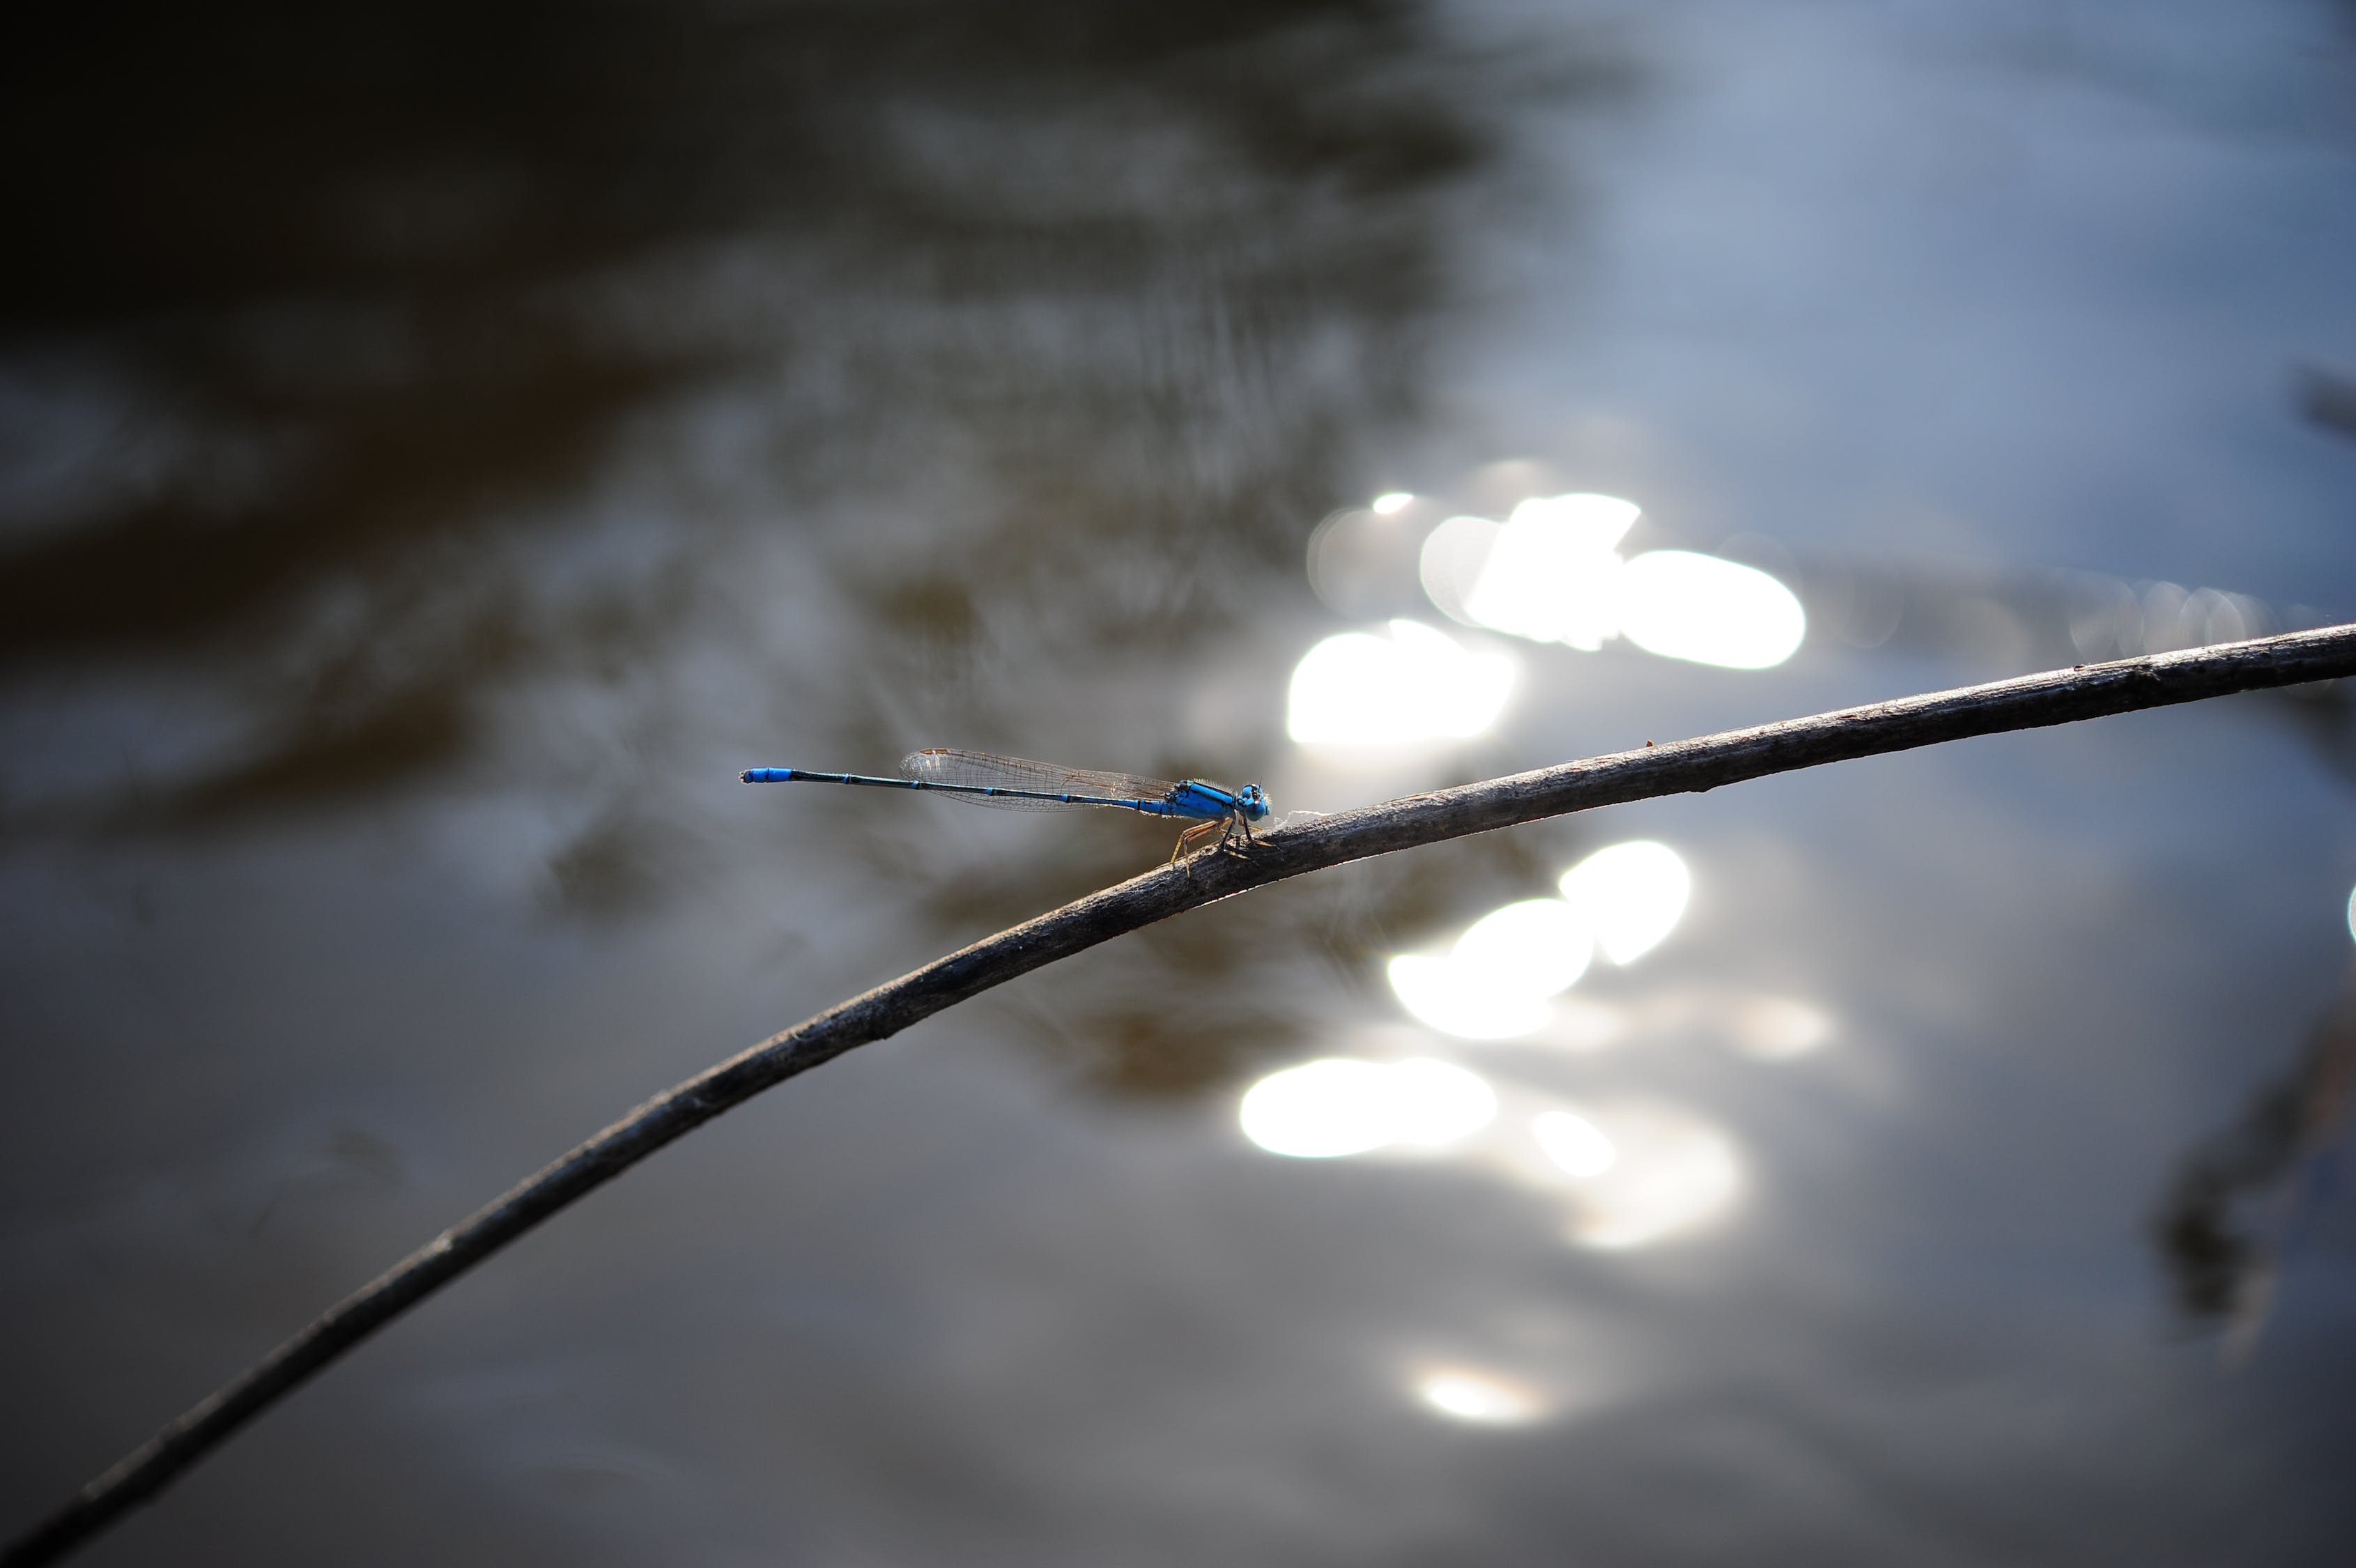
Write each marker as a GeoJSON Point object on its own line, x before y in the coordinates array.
{"type": "Point", "coordinates": [2063, 696]}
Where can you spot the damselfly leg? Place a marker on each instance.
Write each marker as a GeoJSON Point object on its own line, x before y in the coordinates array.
{"type": "Point", "coordinates": [1215, 826]}
{"type": "Point", "coordinates": [1232, 830]}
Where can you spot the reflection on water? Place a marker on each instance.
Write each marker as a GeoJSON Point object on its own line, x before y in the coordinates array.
{"type": "Point", "coordinates": [2329, 398]}
{"type": "Point", "coordinates": [1552, 573]}
{"type": "Point", "coordinates": [1407, 684]}
{"type": "Point", "coordinates": [1481, 1398]}
{"type": "Point", "coordinates": [1778, 1028]}
{"type": "Point", "coordinates": [1639, 1171]}
{"type": "Point", "coordinates": [1498, 982]}
{"type": "Point", "coordinates": [1575, 1143]}
{"type": "Point", "coordinates": [1488, 1001]}
{"type": "Point", "coordinates": [2244, 1201]}
{"type": "Point", "coordinates": [1549, 572]}
{"type": "Point", "coordinates": [1630, 895]}
{"type": "Point", "coordinates": [1624, 1173]}
{"type": "Point", "coordinates": [2110, 619]}
{"type": "Point", "coordinates": [440, 447]}
{"type": "Point", "coordinates": [513, 374]}
{"type": "Point", "coordinates": [1680, 605]}
{"type": "Point", "coordinates": [1539, 948]}
{"type": "Point", "coordinates": [1671, 1173]}
{"type": "Point", "coordinates": [1336, 1106]}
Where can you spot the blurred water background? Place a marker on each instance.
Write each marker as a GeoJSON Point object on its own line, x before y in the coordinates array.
{"type": "Point", "coordinates": [440, 446]}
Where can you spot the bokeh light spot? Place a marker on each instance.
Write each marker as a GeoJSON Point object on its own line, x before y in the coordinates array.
{"type": "Point", "coordinates": [1630, 896]}
{"type": "Point", "coordinates": [1319, 1109]}
{"type": "Point", "coordinates": [1396, 500]}
{"type": "Point", "coordinates": [1673, 1174]}
{"type": "Point", "coordinates": [1552, 571]}
{"type": "Point", "coordinates": [1408, 683]}
{"type": "Point", "coordinates": [1437, 1103]}
{"type": "Point", "coordinates": [1536, 948]}
{"type": "Point", "coordinates": [1575, 1143]}
{"type": "Point", "coordinates": [1705, 610]}
{"type": "Point", "coordinates": [1477, 1397]}
{"type": "Point", "coordinates": [1497, 981]}
{"type": "Point", "coordinates": [1337, 1106]}
{"type": "Point", "coordinates": [1458, 1000]}
{"type": "Point", "coordinates": [1552, 574]}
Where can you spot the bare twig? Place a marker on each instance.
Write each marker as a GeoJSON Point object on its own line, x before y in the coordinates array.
{"type": "Point", "coordinates": [2063, 696]}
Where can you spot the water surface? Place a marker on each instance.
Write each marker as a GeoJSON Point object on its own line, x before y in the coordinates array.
{"type": "Point", "coordinates": [440, 447]}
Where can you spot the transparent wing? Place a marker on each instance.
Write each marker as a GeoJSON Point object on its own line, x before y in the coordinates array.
{"type": "Point", "coordinates": [988, 770]}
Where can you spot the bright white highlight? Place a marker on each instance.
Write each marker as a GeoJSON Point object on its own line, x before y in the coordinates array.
{"type": "Point", "coordinates": [1553, 573]}
{"type": "Point", "coordinates": [1435, 1103]}
{"type": "Point", "coordinates": [1539, 947]}
{"type": "Point", "coordinates": [1477, 1397]}
{"type": "Point", "coordinates": [1708, 611]}
{"type": "Point", "coordinates": [1338, 1106]}
{"type": "Point", "coordinates": [1630, 896]}
{"type": "Point", "coordinates": [1497, 982]}
{"type": "Point", "coordinates": [1575, 1143]}
{"type": "Point", "coordinates": [2351, 914]}
{"type": "Point", "coordinates": [1398, 500]}
{"type": "Point", "coordinates": [1449, 563]}
{"type": "Point", "coordinates": [1407, 683]}
{"type": "Point", "coordinates": [1321, 1109]}
{"type": "Point", "coordinates": [1455, 1001]}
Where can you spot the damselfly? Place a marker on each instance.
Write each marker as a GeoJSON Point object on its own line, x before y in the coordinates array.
{"type": "Point", "coordinates": [1014, 784]}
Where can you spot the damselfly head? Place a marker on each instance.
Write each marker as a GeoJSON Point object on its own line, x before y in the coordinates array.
{"type": "Point", "coordinates": [1253, 800]}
